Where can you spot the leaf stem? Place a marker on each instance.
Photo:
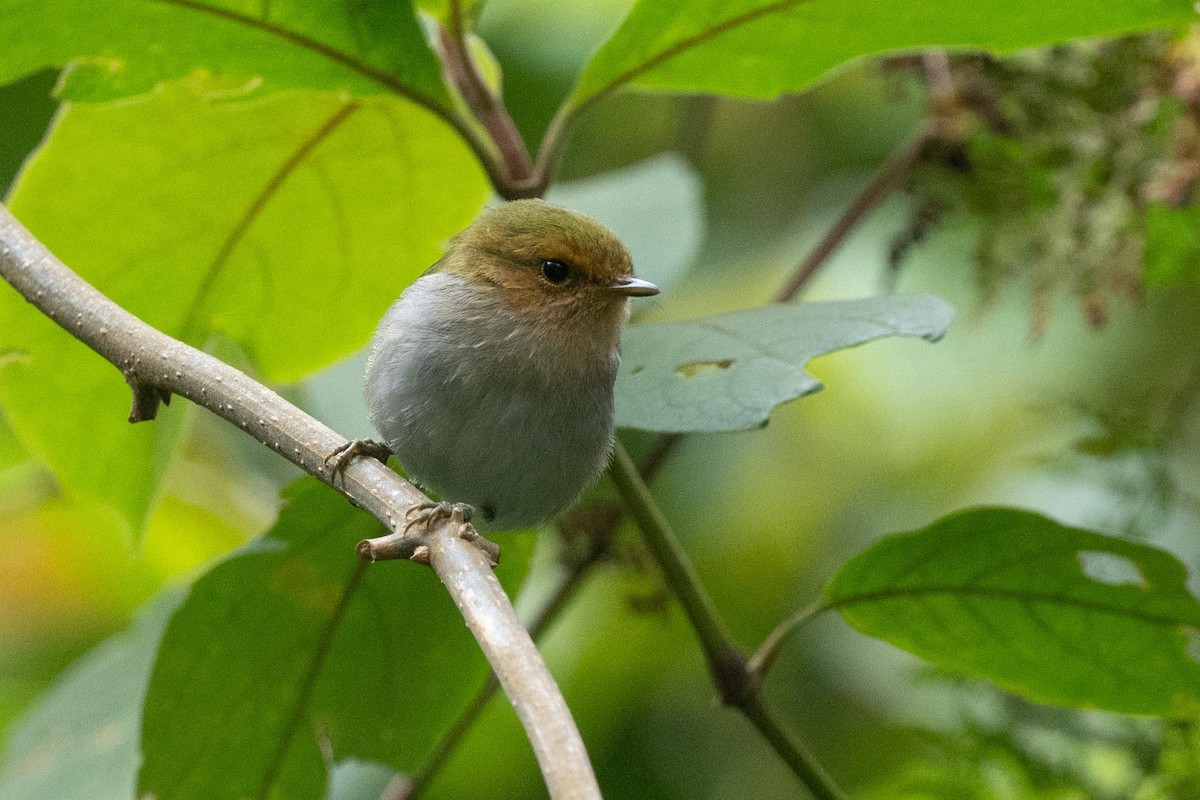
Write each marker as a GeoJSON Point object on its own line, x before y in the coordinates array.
{"type": "Point", "coordinates": [764, 657]}
{"type": "Point", "coordinates": [737, 684]}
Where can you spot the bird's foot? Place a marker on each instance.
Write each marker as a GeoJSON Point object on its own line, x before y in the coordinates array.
{"type": "Point", "coordinates": [412, 539]}
{"type": "Point", "coordinates": [339, 459]}
{"type": "Point", "coordinates": [427, 514]}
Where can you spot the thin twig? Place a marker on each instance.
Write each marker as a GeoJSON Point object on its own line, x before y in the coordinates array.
{"type": "Point", "coordinates": [885, 179]}
{"type": "Point", "coordinates": [739, 686]}
{"type": "Point", "coordinates": [488, 108]}
{"type": "Point", "coordinates": [157, 366]}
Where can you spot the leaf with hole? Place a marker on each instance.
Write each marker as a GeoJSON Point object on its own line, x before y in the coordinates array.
{"type": "Point", "coordinates": [727, 372]}
{"type": "Point", "coordinates": [1057, 614]}
{"type": "Point", "coordinates": [293, 647]}
{"type": "Point", "coordinates": [764, 48]}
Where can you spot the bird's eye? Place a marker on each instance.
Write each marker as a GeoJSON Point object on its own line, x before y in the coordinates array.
{"type": "Point", "coordinates": [554, 270]}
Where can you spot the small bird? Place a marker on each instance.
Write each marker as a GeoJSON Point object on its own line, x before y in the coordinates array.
{"type": "Point", "coordinates": [491, 378]}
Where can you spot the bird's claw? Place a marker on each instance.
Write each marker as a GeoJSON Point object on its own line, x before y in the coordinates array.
{"type": "Point", "coordinates": [426, 514]}
{"type": "Point", "coordinates": [416, 546]}
{"type": "Point", "coordinates": [339, 459]}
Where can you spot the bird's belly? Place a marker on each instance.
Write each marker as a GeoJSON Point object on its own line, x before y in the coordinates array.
{"type": "Point", "coordinates": [516, 448]}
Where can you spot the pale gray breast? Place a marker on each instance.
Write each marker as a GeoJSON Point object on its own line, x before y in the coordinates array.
{"type": "Point", "coordinates": [453, 389]}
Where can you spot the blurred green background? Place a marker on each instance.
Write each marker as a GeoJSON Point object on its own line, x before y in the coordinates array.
{"type": "Point", "coordinates": [1092, 426]}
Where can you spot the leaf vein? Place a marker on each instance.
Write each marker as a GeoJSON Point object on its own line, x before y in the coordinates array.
{"type": "Point", "coordinates": [683, 45]}
{"type": "Point", "coordinates": [257, 206]}
{"type": "Point", "coordinates": [384, 79]}
{"type": "Point", "coordinates": [1019, 596]}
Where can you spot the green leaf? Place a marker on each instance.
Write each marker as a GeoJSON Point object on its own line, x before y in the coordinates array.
{"type": "Point", "coordinates": [1057, 614]}
{"type": "Point", "coordinates": [79, 741]}
{"type": "Point", "coordinates": [1172, 245]}
{"type": "Point", "coordinates": [759, 48]}
{"type": "Point", "coordinates": [293, 645]}
{"type": "Point", "coordinates": [727, 372]}
{"type": "Point", "coordinates": [121, 48]}
{"type": "Point", "coordinates": [287, 223]}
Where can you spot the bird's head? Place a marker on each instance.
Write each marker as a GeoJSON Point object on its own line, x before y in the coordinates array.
{"type": "Point", "coordinates": [562, 272]}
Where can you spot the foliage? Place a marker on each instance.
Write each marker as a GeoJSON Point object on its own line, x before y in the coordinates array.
{"type": "Point", "coordinates": [1053, 613]}
{"type": "Point", "coordinates": [263, 179]}
{"type": "Point", "coordinates": [325, 646]}
{"type": "Point", "coordinates": [1078, 163]}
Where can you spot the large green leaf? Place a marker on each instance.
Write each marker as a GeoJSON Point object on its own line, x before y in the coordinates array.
{"type": "Point", "coordinates": [763, 48]}
{"type": "Point", "coordinates": [727, 372]}
{"type": "Point", "coordinates": [79, 741]}
{"type": "Point", "coordinates": [293, 645]}
{"type": "Point", "coordinates": [1057, 614]}
{"type": "Point", "coordinates": [286, 223]}
{"type": "Point", "coordinates": [119, 48]}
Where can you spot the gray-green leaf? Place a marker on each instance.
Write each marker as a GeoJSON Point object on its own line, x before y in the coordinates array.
{"type": "Point", "coordinates": [727, 372]}
{"type": "Point", "coordinates": [1058, 614]}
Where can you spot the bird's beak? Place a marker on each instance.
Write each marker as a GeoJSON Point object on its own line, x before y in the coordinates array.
{"type": "Point", "coordinates": [634, 287]}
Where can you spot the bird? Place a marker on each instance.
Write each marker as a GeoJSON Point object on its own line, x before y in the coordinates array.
{"type": "Point", "coordinates": [491, 378]}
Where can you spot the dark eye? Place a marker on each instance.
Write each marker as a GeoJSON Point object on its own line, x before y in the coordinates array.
{"type": "Point", "coordinates": [554, 270]}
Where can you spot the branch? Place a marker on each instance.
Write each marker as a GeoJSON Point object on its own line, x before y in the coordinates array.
{"type": "Point", "coordinates": [414, 786]}
{"type": "Point", "coordinates": [157, 366]}
{"type": "Point", "coordinates": [737, 683]}
{"type": "Point", "coordinates": [886, 178]}
{"type": "Point", "coordinates": [512, 172]}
